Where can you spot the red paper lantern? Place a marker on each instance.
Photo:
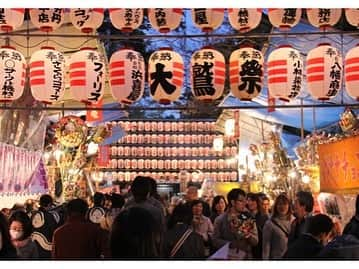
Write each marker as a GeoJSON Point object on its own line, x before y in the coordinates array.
{"type": "Point", "coordinates": [87, 75]}
{"type": "Point", "coordinates": [165, 72]}
{"type": "Point", "coordinates": [165, 20]}
{"type": "Point", "coordinates": [284, 18]}
{"type": "Point", "coordinates": [126, 19]}
{"type": "Point", "coordinates": [207, 19]}
{"type": "Point", "coordinates": [324, 71]}
{"type": "Point", "coordinates": [47, 19]}
{"type": "Point", "coordinates": [86, 19]}
{"type": "Point", "coordinates": [47, 75]}
{"type": "Point", "coordinates": [323, 17]}
{"type": "Point", "coordinates": [11, 18]}
{"type": "Point", "coordinates": [352, 72]}
{"type": "Point", "coordinates": [352, 15]}
{"type": "Point", "coordinates": [244, 19]}
{"type": "Point", "coordinates": [285, 73]}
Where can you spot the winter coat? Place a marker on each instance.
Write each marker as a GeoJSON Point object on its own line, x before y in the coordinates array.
{"type": "Point", "coordinates": [306, 247]}
{"type": "Point", "coordinates": [352, 227]}
{"type": "Point", "coordinates": [342, 247]}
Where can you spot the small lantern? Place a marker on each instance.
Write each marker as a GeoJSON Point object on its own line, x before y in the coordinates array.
{"type": "Point", "coordinates": [165, 20]}
{"type": "Point", "coordinates": [47, 19]}
{"type": "Point", "coordinates": [207, 19]}
{"type": "Point", "coordinates": [244, 19]}
{"type": "Point", "coordinates": [11, 18]}
{"type": "Point", "coordinates": [323, 17]}
{"type": "Point", "coordinates": [86, 19]}
{"type": "Point", "coordinates": [126, 19]}
{"type": "Point", "coordinates": [284, 18]}
{"type": "Point", "coordinates": [352, 15]}
{"type": "Point", "coordinates": [218, 143]}
{"type": "Point", "coordinates": [352, 72]}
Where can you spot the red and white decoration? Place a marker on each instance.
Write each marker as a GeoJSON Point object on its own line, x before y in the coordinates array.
{"type": "Point", "coordinates": [165, 73]}
{"type": "Point", "coordinates": [352, 72]}
{"type": "Point", "coordinates": [47, 19]}
{"type": "Point", "coordinates": [87, 19]}
{"type": "Point", "coordinates": [284, 18]}
{"type": "Point", "coordinates": [323, 17]}
{"type": "Point", "coordinates": [324, 71]}
{"type": "Point", "coordinates": [87, 75]}
{"type": "Point", "coordinates": [165, 20]}
{"type": "Point", "coordinates": [207, 19]}
{"type": "Point", "coordinates": [244, 19]}
{"type": "Point", "coordinates": [47, 75]}
{"type": "Point", "coordinates": [11, 18]}
{"type": "Point", "coordinates": [246, 73]}
{"type": "Point", "coordinates": [208, 74]}
{"type": "Point", "coordinates": [285, 73]}
{"type": "Point", "coordinates": [352, 16]}
{"type": "Point", "coordinates": [12, 74]}
{"type": "Point", "coordinates": [126, 19]}
{"type": "Point", "coordinates": [127, 76]}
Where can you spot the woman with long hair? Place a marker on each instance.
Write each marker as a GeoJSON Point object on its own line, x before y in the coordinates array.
{"type": "Point", "coordinates": [219, 206]}
{"type": "Point", "coordinates": [7, 250]}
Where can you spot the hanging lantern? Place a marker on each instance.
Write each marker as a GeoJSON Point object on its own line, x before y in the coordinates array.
{"type": "Point", "coordinates": [207, 19]}
{"type": "Point", "coordinates": [165, 72]}
{"type": "Point", "coordinates": [47, 19]}
{"type": "Point", "coordinates": [11, 18]}
{"type": "Point", "coordinates": [47, 71]}
{"type": "Point", "coordinates": [127, 76]}
{"type": "Point", "coordinates": [246, 73]}
{"type": "Point", "coordinates": [12, 74]}
{"type": "Point", "coordinates": [352, 72]}
{"type": "Point", "coordinates": [352, 15]}
{"type": "Point", "coordinates": [86, 19]}
{"type": "Point", "coordinates": [285, 73]}
{"type": "Point", "coordinates": [208, 73]}
{"type": "Point", "coordinates": [165, 20]}
{"type": "Point", "coordinates": [87, 75]}
{"type": "Point", "coordinates": [244, 19]}
{"type": "Point", "coordinates": [323, 17]}
{"type": "Point", "coordinates": [126, 19]}
{"type": "Point", "coordinates": [284, 18]}
{"type": "Point", "coordinates": [324, 72]}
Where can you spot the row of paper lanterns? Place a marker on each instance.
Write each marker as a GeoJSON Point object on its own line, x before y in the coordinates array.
{"type": "Point", "coordinates": [285, 70]}
{"type": "Point", "coordinates": [165, 20]}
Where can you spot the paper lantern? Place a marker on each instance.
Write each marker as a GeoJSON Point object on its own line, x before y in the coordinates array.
{"type": "Point", "coordinates": [285, 73]}
{"type": "Point", "coordinates": [47, 75]}
{"type": "Point", "coordinates": [165, 73]}
{"type": "Point", "coordinates": [244, 19]}
{"type": "Point", "coordinates": [323, 17]}
{"type": "Point", "coordinates": [352, 72]}
{"type": "Point", "coordinates": [246, 73]}
{"type": "Point", "coordinates": [207, 19]}
{"type": "Point", "coordinates": [12, 74]}
{"type": "Point", "coordinates": [208, 73]}
{"type": "Point", "coordinates": [126, 19]}
{"type": "Point", "coordinates": [87, 19]}
{"type": "Point", "coordinates": [127, 76]}
{"type": "Point", "coordinates": [352, 16]}
{"type": "Point", "coordinates": [47, 19]}
{"type": "Point", "coordinates": [284, 18]}
{"type": "Point", "coordinates": [324, 71]}
{"type": "Point", "coordinates": [11, 18]}
{"type": "Point", "coordinates": [87, 75]}
{"type": "Point", "coordinates": [165, 20]}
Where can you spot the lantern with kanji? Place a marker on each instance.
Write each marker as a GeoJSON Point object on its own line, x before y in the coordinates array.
{"type": "Point", "coordinates": [165, 20]}
{"type": "Point", "coordinates": [207, 19]}
{"type": "Point", "coordinates": [127, 76]}
{"type": "Point", "coordinates": [87, 75]}
{"type": "Point", "coordinates": [165, 73]}
{"type": "Point", "coordinates": [352, 16]}
{"type": "Point", "coordinates": [208, 73]}
{"type": "Point", "coordinates": [244, 19]}
{"type": "Point", "coordinates": [11, 18]}
{"type": "Point", "coordinates": [86, 19]}
{"type": "Point", "coordinates": [324, 71]}
{"type": "Point", "coordinates": [323, 17]}
{"type": "Point", "coordinates": [352, 72]}
{"type": "Point", "coordinates": [47, 19]}
{"type": "Point", "coordinates": [12, 74]}
{"type": "Point", "coordinates": [126, 19]}
{"type": "Point", "coordinates": [246, 73]}
{"type": "Point", "coordinates": [284, 18]}
{"type": "Point", "coordinates": [285, 73]}
{"type": "Point", "coordinates": [47, 72]}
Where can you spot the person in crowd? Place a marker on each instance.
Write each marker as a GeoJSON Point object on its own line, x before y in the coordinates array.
{"type": "Point", "coordinates": [20, 232]}
{"type": "Point", "coordinates": [310, 243]}
{"type": "Point", "coordinates": [78, 238]}
{"type": "Point", "coordinates": [191, 195]}
{"type": "Point", "coordinates": [155, 198]}
{"type": "Point", "coordinates": [7, 249]}
{"type": "Point", "coordinates": [107, 204]}
{"type": "Point", "coordinates": [342, 247]}
{"type": "Point", "coordinates": [264, 205]}
{"type": "Point", "coordinates": [117, 203]}
{"type": "Point", "coordinates": [219, 206]}
{"type": "Point", "coordinates": [352, 227]}
{"type": "Point", "coordinates": [29, 206]}
{"type": "Point", "coordinates": [276, 229]}
{"type": "Point", "coordinates": [97, 213]}
{"type": "Point", "coordinates": [236, 226]}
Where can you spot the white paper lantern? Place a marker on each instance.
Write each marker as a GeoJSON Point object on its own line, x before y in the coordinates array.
{"type": "Point", "coordinates": [47, 19]}
{"type": "Point", "coordinates": [165, 20]}
{"type": "Point", "coordinates": [87, 19]}
{"type": "Point", "coordinates": [352, 16]}
{"type": "Point", "coordinates": [11, 18]}
{"type": "Point", "coordinates": [207, 19]}
{"type": "Point", "coordinates": [284, 18]}
{"type": "Point", "coordinates": [244, 19]}
{"type": "Point", "coordinates": [352, 72]}
{"type": "Point", "coordinates": [323, 17]}
{"type": "Point", "coordinates": [126, 19]}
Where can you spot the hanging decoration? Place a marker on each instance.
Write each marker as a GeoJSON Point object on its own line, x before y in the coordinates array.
{"type": "Point", "coordinates": [352, 16]}
{"type": "Point", "coordinates": [87, 19]}
{"type": "Point", "coordinates": [47, 19]}
{"type": "Point", "coordinates": [323, 17]}
{"type": "Point", "coordinates": [165, 20]}
{"type": "Point", "coordinates": [207, 19]}
{"type": "Point", "coordinates": [165, 72]}
{"type": "Point", "coordinates": [284, 18]}
{"type": "Point", "coordinates": [352, 72]}
{"type": "Point", "coordinates": [244, 19]}
{"type": "Point", "coordinates": [126, 19]}
{"type": "Point", "coordinates": [11, 18]}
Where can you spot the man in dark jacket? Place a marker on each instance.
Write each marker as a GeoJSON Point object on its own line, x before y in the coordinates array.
{"type": "Point", "coordinates": [345, 246]}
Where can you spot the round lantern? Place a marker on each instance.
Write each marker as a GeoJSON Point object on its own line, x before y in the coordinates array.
{"type": "Point", "coordinates": [11, 18]}
{"type": "Point", "coordinates": [246, 73]}
{"type": "Point", "coordinates": [87, 75]}
{"type": "Point", "coordinates": [127, 76]}
{"type": "Point", "coordinates": [352, 15]}
{"type": "Point", "coordinates": [126, 19]}
{"type": "Point", "coordinates": [12, 74]}
{"type": "Point", "coordinates": [165, 73]}
{"type": "Point", "coordinates": [165, 19]}
{"type": "Point", "coordinates": [284, 18]}
{"type": "Point", "coordinates": [86, 19]}
{"type": "Point", "coordinates": [285, 73]}
{"type": "Point", "coordinates": [244, 19]}
{"type": "Point", "coordinates": [208, 73]}
{"type": "Point", "coordinates": [352, 72]}
{"type": "Point", "coordinates": [47, 19]}
{"type": "Point", "coordinates": [207, 19]}
{"type": "Point", "coordinates": [323, 17]}
{"type": "Point", "coordinates": [324, 71]}
{"type": "Point", "coordinates": [47, 75]}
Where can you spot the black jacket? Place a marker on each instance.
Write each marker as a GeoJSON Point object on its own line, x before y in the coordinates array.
{"type": "Point", "coordinates": [352, 227]}
{"type": "Point", "coordinates": [306, 247]}
{"type": "Point", "coordinates": [345, 246]}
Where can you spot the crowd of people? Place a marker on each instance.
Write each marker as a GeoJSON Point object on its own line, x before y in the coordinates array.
{"type": "Point", "coordinates": [142, 225]}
